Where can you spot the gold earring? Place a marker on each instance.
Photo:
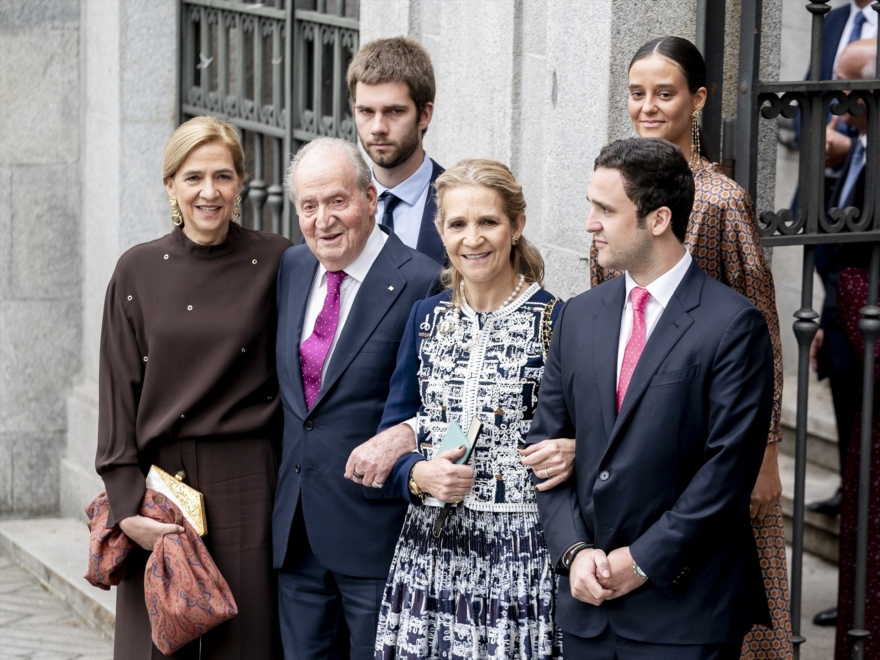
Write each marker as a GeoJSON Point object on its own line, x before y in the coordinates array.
{"type": "Point", "coordinates": [695, 159]}
{"type": "Point", "coordinates": [176, 218]}
{"type": "Point", "coordinates": [515, 240]}
{"type": "Point", "coordinates": [236, 210]}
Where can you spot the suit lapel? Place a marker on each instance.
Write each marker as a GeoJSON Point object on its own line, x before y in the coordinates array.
{"type": "Point", "coordinates": [299, 288]}
{"type": "Point", "coordinates": [606, 331]}
{"type": "Point", "coordinates": [429, 242]}
{"type": "Point", "coordinates": [381, 287]}
{"type": "Point", "coordinates": [673, 323]}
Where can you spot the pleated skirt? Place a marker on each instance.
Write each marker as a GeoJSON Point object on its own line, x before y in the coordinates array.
{"type": "Point", "coordinates": [238, 479]}
{"type": "Point", "coordinates": [483, 589]}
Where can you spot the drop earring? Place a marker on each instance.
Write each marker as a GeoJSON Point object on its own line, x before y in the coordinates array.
{"type": "Point", "coordinates": [176, 218]}
{"type": "Point", "coordinates": [236, 210]}
{"type": "Point", "coordinates": [695, 159]}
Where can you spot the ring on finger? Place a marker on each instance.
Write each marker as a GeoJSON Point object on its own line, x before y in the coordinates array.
{"type": "Point", "coordinates": [457, 499]}
{"type": "Point", "coordinates": [376, 484]}
{"type": "Point", "coordinates": [356, 474]}
{"type": "Point", "coordinates": [546, 473]}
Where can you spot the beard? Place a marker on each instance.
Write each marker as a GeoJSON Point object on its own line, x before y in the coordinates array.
{"type": "Point", "coordinates": [400, 152]}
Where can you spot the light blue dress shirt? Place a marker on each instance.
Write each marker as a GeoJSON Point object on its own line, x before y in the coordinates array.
{"type": "Point", "coordinates": [413, 193]}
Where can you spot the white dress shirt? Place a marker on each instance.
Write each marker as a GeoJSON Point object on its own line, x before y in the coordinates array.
{"type": "Point", "coordinates": [356, 272]}
{"type": "Point", "coordinates": [661, 291]}
{"type": "Point", "coordinates": [869, 29]}
{"type": "Point", "coordinates": [413, 193]}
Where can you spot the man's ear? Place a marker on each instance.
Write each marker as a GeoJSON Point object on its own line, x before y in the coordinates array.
{"type": "Point", "coordinates": [426, 115]}
{"type": "Point", "coordinates": [660, 221]}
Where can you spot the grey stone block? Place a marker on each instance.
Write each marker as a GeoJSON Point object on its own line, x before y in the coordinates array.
{"type": "Point", "coordinates": [568, 274]}
{"type": "Point", "coordinates": [78, 488]}
{"type": "Point", "coordinates": [82, 424]}
{"type": "Point", "coordinates": [39, 354]}
{"type": "Point", "coordinates": [6, 446]}
{"type": "Point", "coordinates": [5, 231]}
{"type": "Point", "coordinates": [29, 14]}
{"type": "Point", "coordinates": [35, 483]}
{"type": "Point", "coordinates": [148, 61]}
{"type": "Point", "coordinates": [45, 243]}
{"type": "Point", "coordinates": [39, 85]}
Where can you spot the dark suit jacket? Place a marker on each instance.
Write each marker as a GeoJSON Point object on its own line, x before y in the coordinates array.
{"type": "Point", "coordinates": [429, 240]}
{"type": "Point", "coordinates": [669, 476]}
{"type": "Point", "coordinates": [352, 529]}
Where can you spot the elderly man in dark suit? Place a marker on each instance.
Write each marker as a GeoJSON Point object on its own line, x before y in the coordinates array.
{"type": "Point", "coordinates": [665, 379]}
{"type": "Point", "coordinates": [343, 301]}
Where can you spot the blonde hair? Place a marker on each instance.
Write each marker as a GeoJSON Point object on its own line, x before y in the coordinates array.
{"type": "Point", "coordinates": [524, 257]}
{"type": "Point", "coordinates": [195, 133]}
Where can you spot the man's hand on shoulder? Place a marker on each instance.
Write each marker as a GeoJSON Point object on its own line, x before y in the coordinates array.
{"type": "Point", "coordinates": [371, 463]}
{"type": "Point", "coordinates": [623, 578]}
{"type": "Point", "coordinates": [587, 569]}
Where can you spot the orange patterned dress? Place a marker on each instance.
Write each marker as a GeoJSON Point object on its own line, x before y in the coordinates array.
{"type": "Point", "coordinates": [722, 236]}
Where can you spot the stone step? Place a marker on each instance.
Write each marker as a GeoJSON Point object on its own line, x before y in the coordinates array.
{"type": "Point", "coordinates": [55, 551]}
{"type": "Point", "coordinates": [820, 531]}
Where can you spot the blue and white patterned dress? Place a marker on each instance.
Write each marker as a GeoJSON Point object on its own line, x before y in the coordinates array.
{"type": "Point", "coordinates": [485, 588]}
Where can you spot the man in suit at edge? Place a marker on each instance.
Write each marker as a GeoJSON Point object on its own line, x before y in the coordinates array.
{"type": "Point", "coordinates": [343, 301]}
{"type": "Point", "coordinates": [391, 85]}
{"type": "Point", "coordinates": [665, 379]}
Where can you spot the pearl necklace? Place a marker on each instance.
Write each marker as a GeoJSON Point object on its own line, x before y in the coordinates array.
{"type": "Point", "coordinates": [456, 314]}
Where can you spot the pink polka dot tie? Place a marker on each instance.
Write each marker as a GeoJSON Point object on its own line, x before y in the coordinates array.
{"type": "Point", "coordinates": [313, 351]}
{"type": "Point", "coordinates": [639, 299]}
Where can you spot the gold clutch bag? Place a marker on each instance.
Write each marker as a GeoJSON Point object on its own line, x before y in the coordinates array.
{"type": "Point", "coordinates": [190, 501]}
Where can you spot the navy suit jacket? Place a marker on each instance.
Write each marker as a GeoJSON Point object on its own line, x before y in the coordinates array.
{"type": "Point", "coordinates": [352, 529]}
{"type": "Point", "coordinates": [670, 475]}
{"type": "Point", "coordinates": [429, 240]}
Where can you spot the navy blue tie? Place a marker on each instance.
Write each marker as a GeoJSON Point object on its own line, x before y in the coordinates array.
{"type": "Point", "coordinates": [391, 202]}
{"type": "Point", "coordinates": [858, 22]}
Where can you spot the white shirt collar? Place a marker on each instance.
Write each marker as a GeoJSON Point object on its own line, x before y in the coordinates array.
{"type": "Point", "coordinates": [410, 190]}
{"type": "Point", "coordinates": [359, 268]}
{"type": "Point", "coordinates": [870, 14]}
{"type": "Point", "coordinates": [664, 286]}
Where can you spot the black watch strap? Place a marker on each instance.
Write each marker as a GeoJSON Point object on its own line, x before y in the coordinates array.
{"type": "Point", "coordinates": [569, 555]}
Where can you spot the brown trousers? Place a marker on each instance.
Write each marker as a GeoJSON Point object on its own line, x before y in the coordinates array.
{"type": "Point", "coordinates": [238, 479]}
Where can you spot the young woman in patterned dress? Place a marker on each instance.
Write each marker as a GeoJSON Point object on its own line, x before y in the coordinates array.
{"type": "Point", "coordinates": [667, 91]}
{"type": "Point", "coordinates": [482, 586]}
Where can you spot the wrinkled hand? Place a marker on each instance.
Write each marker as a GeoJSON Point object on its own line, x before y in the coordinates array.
{"type": "Point", "coordinates": [147, 532]}
{"type": "Point", "coordinates": [374, 459]}
{"type": "Point", "coordinates": [768, 488]}
{"type": "Point", "coordinates": [588, 567]}
{"type": "Point", "coordinates": [552, 460]}
{"type": "Point", "coordinates": [622, 579]}
{"type": "Point", "coordinates": [815, 347]}
{"type": "Point", "coordinates": [444, 479]}
{"type": "Point", "coordinates": [837, 145]}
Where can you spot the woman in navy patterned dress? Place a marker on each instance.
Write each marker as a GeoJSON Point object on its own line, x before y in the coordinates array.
{"type": "Point", "coordinates": [483, 586]}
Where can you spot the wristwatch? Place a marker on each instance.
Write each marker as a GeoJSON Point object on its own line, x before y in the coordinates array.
{"type": "Point", "coordinates": [568, 558]}
{"type": "Point", "coordinates": [413, 486]}
{"type": "Point", "coordinates": [638, 571]}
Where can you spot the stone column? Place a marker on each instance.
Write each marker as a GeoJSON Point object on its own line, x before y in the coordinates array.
{"type": "Point", "coordinates": [40, 322]}
{"type": "Point", "coordinates": [129, 91]}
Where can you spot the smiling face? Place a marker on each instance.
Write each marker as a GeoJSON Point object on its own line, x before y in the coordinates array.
{"type": "Point", "coordinates": [660, 104]}
{"type": "Point", "coordinates": [623, 241]}
{"type": "Point", "coordinates": [205, 187]}
{"type": "Point", "coordinates": [335, 218]}
{"type": "Point", "coordinates": [478, 236]}
{"type": "Point", "coordinates": [388, 125]}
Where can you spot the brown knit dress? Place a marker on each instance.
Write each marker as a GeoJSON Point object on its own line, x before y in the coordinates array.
{"type": "Point", "coordinates": [187, 381]}
{"type": "Point", "coordinates": [722, 236]}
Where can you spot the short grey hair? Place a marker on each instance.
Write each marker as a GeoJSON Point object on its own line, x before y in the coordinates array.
{"type": "Point", "coordinates": [362, 173]}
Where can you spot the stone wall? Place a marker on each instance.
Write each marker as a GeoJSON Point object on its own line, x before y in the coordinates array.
{"type": "Point", "coordinates": [541, 85]}
{"type": "Point", "coordinates": [40, 266]}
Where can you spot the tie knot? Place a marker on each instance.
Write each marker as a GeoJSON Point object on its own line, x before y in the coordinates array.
{"type": "Point", "coordinates": [334, 280]}
{"type": "Point", "coordinates": [391, 200]}
{"type": "Point", "coordinates": [639, 297]}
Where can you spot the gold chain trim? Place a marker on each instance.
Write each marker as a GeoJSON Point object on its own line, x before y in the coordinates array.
{"type": "Point", "coordinates": [547, 325]}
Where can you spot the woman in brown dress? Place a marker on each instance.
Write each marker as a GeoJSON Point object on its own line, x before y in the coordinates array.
{"type": "Point", "coordinates": [667, 91]}
{"type": "Point", "coordinates": [187, 382]}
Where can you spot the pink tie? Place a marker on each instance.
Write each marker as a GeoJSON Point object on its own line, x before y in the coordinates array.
{"type": "Point", "coordinates": [639, 299]}
{"type": "Point", "coordinates": [313, 351]}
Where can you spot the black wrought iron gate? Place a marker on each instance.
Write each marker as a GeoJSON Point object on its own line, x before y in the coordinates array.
{"type": "Point", "coordinates": [276, 70]}
{"type": "Point", "coordinates": [808, 226]}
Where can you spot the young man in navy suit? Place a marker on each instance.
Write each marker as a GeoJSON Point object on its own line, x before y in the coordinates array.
{"type": "Point", "coordinates": [343, 301]}
{"type": "Point", "coordinates": [391, 85]}
{"type": "Point", "coordinates": [665, 379]}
